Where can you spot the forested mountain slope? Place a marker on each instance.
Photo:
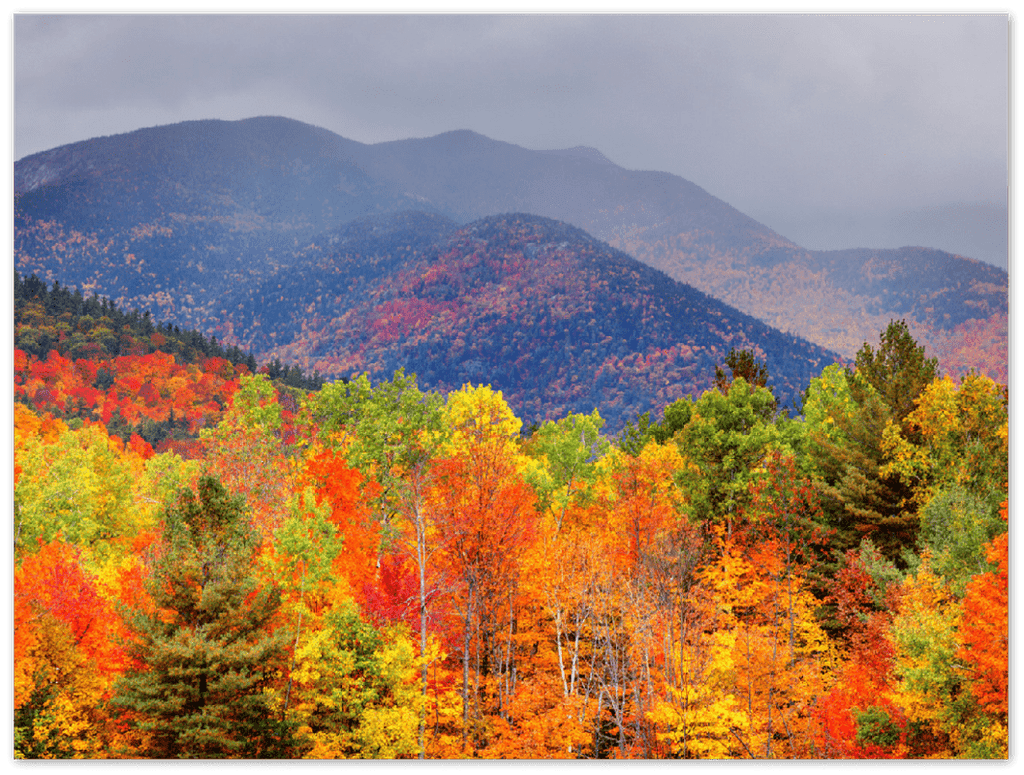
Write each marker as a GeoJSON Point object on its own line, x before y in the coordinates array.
{"type": "Point", "coordinates": [175, 218]}
{"type": "Point", "coordinates": [542, 311]}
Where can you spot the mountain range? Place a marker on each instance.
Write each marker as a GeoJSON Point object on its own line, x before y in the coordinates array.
{"type": "Point", "coordinates": [554, 269]}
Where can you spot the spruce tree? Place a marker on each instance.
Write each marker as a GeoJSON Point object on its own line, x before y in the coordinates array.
{"type": "Point", "coordinates": [898, 370]}
{"type": "Point", "coordinates": [883, 386]}
{"type": "Point", "coordinates": [205, 652]}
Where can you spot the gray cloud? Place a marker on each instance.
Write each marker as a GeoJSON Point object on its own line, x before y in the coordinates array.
{"type": "Point", "coordinates": [826, 128]}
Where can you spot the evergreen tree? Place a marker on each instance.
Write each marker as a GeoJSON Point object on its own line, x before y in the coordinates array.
{"type": "Point", "coordinates": [742, 364]}
{"type": "Point", "coordinates": [204, 652]}
{"type": "Point", "coordinates": [862, 500]}
{"type": "Point", "coordinates": [898, 371]}
{"type": "Point", "coordinates": [865, 500]}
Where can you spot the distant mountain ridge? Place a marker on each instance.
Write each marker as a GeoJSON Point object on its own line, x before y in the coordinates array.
{"type": "Point", "coordinates": [217, 205]}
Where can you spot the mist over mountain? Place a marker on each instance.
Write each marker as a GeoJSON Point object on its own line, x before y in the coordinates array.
{"type": "Point", "coordinates": [230, 227]}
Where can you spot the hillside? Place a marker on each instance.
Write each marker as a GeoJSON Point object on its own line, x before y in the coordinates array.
{"type": "Point", "coordinates": [838, 299]}
{"type": "Point", "coordinates": [956, 307]}
{"type": "Point", "coordinates": [177, 219]}
{"type": "Point", "coordinates": [552, 317]}
{"type": "Point", "coordinates": [147, 382]}
{"type": "Point", "coordinates": [555, 319]}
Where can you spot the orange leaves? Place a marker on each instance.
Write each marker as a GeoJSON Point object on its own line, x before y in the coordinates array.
{"type": "Point", "coordinates": [643, 499]}
{"type": "Point", "coordinates": [776, 649]}
{"type": "Point", "coordinates": [569, 600]}
{"type": "Point", "coordinates": [339, 487]}
{"type": "Point", "coordinates": [63, 625]}
{"type": "Point", "coordinates": [540, 724]}
{"type": "Point", "coordinates": [137, 388]}
{"type": "Point", "coordinates": [984, 650]}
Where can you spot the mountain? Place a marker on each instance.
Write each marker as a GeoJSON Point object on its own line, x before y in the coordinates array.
{"type": "Point", "coordinates": [194, 219]}
{"type": "Point", "coordinates": [170, 218]}
{"type": "Point", "coordinates": [956, 306]}
{"type": "Point", "coordinates": [556, 319]}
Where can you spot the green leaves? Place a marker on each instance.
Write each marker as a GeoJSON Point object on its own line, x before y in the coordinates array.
{"type": "Point", "coordinates": [726, 438]}
{"type": "Point", "coordinates": [77, 485]}
{"type": "Point", "coordinates": [956, 526]}
{"type": "Point", "coordinates": [568, 449]}
{"type": "Point", "coordinates": [898, 371]}
{"type": "Point", "coordinates": [875, 728]}
{"type": "Point", "coordinates": [204, 652]}
{"type": "Point", "coordinates": [387, 431]}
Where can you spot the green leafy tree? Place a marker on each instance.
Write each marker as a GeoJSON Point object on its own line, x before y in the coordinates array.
{"type": "Point", "coordinates": [205, 652]}
{"type": "Point", "coordinates": [957, 435]}
{"type": "Point", "coordinates": [569, 449]}
{"type": "Point", "coordinates": [956, 528]}
{"type": "Point", "coordinates": [860, 501]}
{"type": "Point", "coordinates": [77, 485]}
{"type": "Point", "coordinates": [726, 440]}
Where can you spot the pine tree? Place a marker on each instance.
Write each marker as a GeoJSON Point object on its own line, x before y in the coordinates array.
{"type": "Point", "coordinates": [898, 371]}
{"type": "Point", "coordinates": [742, 363]}
{"type": "Point", "coordinates": [865, 499]}
{"type": "Point", "coordinates": [204, 651]}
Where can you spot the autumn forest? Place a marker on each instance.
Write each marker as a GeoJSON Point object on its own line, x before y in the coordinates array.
{"type": "Point", "coordinates": [219, 559]}
{"type": "Point", "coordinates": [446, 448]}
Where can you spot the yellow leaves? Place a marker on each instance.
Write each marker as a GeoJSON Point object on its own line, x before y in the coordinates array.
{"type": "Point", "coordinates": [480, 412]}
{"type": "Point", "coordinates": [994, 740]}
{"type": "Point", "coordinates": [398, 665]}
{"type": "Point", "coordinates": [358, 688]}
{"type": "Point", "coordinates": [962, 438]}
{"type": "Point", "coordinates": [327, 744]}
{"type": "Point", "coordinates": [63, 728]}
{"type": "Point", "coordinates": [79, 483]}
{"type": "Point", "coordinates": [925, 635]}
{"type": "Point", "coordinates": [444, 736]}
{"type": "Point", "coordinates": [317, 660]}
{"type": "Point", "coordinates": [387, 733]}
{"type": "Point", "coordinates": [699, 728]}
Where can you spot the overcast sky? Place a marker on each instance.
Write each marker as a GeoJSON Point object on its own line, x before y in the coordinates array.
{"type": "Point", "coordinates": [835, 131]}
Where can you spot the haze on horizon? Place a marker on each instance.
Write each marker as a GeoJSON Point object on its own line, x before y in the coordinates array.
{"type": "Point", "coordinates": [835, 131]}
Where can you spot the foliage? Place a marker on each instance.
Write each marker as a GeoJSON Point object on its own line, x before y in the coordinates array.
{"type": "Point", "coordinates": [726, 441]}
{"type": "Point", "coordinates": [66, 653]}
{"type": "Point", "coordinates": [378, 571]}
{"type": "Point", "coordinates": [956, 436]}
{"type": "Point", "coordinates": [846, 422]}
{"type": "Point", "coordinates": [898, 371]}
{"type": "Point", "coordinates": [984, 649]}
{"type": "Point", "coordinates": [955, 528]}
{"type": "Point", "coordinates": [204, 654]}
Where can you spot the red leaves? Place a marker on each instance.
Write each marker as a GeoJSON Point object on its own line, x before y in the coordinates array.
{"type": "Point", "coordinates": [344, 490]}
{"type": "Point", "coordinates": [53, 583]}
{"type": "Point", "coordinates": [394, 594]}
{"type": "Point", "coordinates": [148, 386]}
{"type": "Point", "coordinates": [985, 630]}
